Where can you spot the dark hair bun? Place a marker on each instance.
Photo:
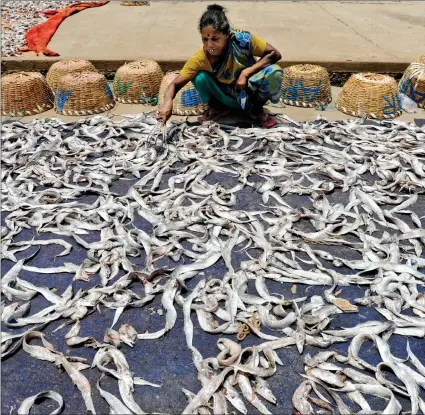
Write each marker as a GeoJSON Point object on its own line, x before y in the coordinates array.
{"type": "Point", "coordinates": [215, 8]}
{"type": "Point", "coordinates": [216, 17]}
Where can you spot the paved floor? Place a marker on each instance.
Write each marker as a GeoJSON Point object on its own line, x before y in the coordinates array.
{"type": "Point", "coordinates": [339, 35]}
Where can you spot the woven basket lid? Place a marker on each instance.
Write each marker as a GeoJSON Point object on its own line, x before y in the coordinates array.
{"type": "Point", "coordinates": [412, 83]}
{"type": "Point", "coordinates": [25, 93]}
{"type": "Point", "coordinates": [187, 100]}
{"type": "Point", "coordinates": [83, 93]}
{"type": "Point", "coordinates": [138, 82]}
{"type": "Point", "coordinates": [61, 68]}
{"type": "Point", "coordinates": [306, 85]}
{"type": "Point", "coordinates": [370, 94]}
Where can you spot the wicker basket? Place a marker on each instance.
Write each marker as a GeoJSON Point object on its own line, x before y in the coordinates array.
{"type": "Point", "coordinates": [187, 100]}
{"type": "Point", "coordinates": [306, 86]}
{"type": "Point", "coordinates": [61, 68]}
{"type": "Point", "coordinates": [412, 83]}
{"type": "Point", "coordinates": [25, 93]}
{"type": "Point", "coordinates": [370, 94]}
{"type": "Point", "coordinates": [138, 82]}
{"type": "Point", "coordinates": [83, 93]}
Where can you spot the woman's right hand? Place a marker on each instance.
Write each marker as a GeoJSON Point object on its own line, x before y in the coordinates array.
{"type": "Point", "coordinates": [165, 112]}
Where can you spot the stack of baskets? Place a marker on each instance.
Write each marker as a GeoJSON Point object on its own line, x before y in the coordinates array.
{"type": "Point", "coordinates": [306, 85]}
{"type": "Point", "coordinates": [64, 67]}
{"type": "Point", "coordinates": [25, 93]}
{"type": "Point", "coordinates": [138, 82]}
{"type": "Point", "coordinates": [83, 93]}
{"type": "Point", "coordinates": [187, 100]}
{"type": "Point", "coordinates": [371, 95]}
{"type": "Point", "coordinates": [412, 83]}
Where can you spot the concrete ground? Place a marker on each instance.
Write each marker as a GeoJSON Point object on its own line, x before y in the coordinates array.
{"type": "Point", "coordinates": [295, 113]}
{"type": "Point", "coordinates": [342, 36]}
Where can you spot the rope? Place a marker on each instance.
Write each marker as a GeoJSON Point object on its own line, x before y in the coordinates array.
{"type": "Point", "coordinates": [135, 3]}
{"type": "Point", "coordinates": [305, 104]}
{"type": "Point", "coordinates": [40, 108]}
{"type": "Point", "coordinates": [87, 112]}
{"type": "Point", "coordinates": [368, 115]}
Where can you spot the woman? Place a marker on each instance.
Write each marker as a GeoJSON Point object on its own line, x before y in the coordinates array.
{"type": "Point", "coordinates": [225, 73]}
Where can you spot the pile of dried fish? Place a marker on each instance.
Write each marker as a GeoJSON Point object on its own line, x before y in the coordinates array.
{"type": "Point", "coordinates": [322, 374]}
{"type": "Point", "coordinates": [19, 16]}
{"type": "Point", "coordinates": [323, 203]}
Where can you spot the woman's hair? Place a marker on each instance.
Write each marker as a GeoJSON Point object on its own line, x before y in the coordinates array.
{"type": "Point", "coordinates": [215, 17]}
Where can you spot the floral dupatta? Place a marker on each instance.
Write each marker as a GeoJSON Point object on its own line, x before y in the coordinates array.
{"type": "Point", "coordinates": [238, 57]}
{"type": "Point", "coordinates": [263, 86]}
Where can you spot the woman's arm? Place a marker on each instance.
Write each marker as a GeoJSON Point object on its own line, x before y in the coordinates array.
{"type": "Point", "coordinates": [170, 93]}
{"type": "Point", "coordinates": [270, 56]}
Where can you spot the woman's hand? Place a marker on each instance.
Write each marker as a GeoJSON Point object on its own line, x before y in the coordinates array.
{"type": "Point", "coordinates": [271, 57]}
{"type": "Point", "coordinates": [241, 82]}
{"type": "Point", "coordinates": [165, 112]}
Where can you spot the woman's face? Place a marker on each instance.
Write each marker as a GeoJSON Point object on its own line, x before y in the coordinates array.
{"type": "Point", "coordinates": [214, 42]}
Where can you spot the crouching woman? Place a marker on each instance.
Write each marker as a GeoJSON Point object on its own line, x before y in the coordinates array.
{"type": "Point", "coordinates": [226, 74]}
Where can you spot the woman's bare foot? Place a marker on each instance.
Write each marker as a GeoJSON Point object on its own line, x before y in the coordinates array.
{"type": "Point", "coordinates": [214, 114]}
{"type": "Point", "coordinates": [264, 119]}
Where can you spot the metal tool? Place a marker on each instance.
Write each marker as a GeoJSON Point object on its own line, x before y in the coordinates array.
{"type": "Point", "coordinates": [158, 133]}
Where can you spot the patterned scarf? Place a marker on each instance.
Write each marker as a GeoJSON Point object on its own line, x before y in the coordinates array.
{"type": "Point", "coordinates": [237, 58]}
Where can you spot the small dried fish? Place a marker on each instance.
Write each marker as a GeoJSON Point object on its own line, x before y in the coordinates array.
{"type": "Point", "coordinates": [127, 334]}
{"type": "Point", "coordinates": [47, 352]}
{"type": "Point", "coordinates": [115, 405]}
{"type": "Point", "coordinates": [300, 398]}
{"type": "Point", "coordinates": [28, 403]}
{"type": "Point", "coordinates": [361, 185]}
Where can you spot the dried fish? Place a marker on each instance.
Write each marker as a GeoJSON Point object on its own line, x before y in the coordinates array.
{"type": "Point", "coordinates": [27, 403]}
{"type": "Point", "coordinates": [126, 380]}
{"type": "Point", "coordinates": [18, 17]}
{"type": "Point", "coordinates": [72, 366]}
{"type": "Point", "coordinates": [300, 398]}
{"type": "Point", "coordinates": [361, 184]}
{"type": "Point", "coordinates": [115, 405]}
{"type": "Point", "coordinates": [127, 334]}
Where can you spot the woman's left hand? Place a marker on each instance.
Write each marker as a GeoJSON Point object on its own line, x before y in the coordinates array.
{"type": "Point", "coordinates": [241, 82]}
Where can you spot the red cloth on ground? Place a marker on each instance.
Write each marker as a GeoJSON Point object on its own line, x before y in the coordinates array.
{"type": "Point", "coordinates": [38, 37]}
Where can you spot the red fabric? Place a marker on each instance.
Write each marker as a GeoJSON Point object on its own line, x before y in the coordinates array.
{"type": "Point", "coordinates": [38, 37]}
